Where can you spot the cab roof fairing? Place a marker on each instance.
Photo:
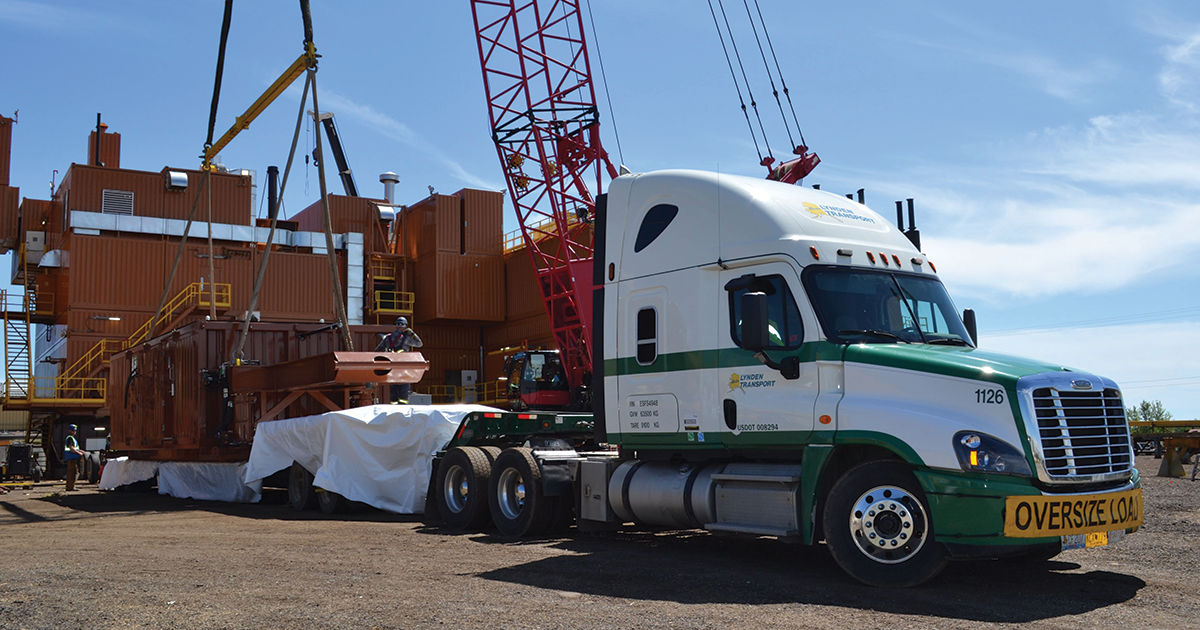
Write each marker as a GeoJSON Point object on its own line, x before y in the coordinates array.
{"type": "Point", "coordinates": [734, 217]}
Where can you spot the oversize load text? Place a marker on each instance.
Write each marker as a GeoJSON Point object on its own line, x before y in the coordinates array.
{"type": "Point", "coordinates": [1039, 517]}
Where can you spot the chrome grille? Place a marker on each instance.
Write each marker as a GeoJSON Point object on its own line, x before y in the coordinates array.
{"type": "Point", "coordinates": [1082, 434]}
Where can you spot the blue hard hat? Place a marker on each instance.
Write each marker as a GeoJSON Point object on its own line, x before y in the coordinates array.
{"type": "Point", "coordinates": [72, 427]}
{"type": "Point", "coordinates": [402, 321]}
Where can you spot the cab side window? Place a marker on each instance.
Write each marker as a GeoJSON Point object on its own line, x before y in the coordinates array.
{"type": "Point", "coordinates": [786, 329]}
{"type": "Point", "coordinates": [647, 336]}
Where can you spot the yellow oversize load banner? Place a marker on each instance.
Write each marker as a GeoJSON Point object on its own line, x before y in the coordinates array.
{"type": "Point", "coordinates": [1046, 516]}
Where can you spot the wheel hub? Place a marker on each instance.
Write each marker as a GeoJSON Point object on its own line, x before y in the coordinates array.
{"type": "Point", "coordinates": [511, 493]}
{"type": "Point", "coordinates": [888, 524]}
{"type": "Point", "coordinates": [458, 488]}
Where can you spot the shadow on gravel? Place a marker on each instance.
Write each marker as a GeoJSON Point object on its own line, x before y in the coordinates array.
{"type": "Point", "coordinates": [273, 507]}
{"type": "Point", "coordinates": [699, 568]}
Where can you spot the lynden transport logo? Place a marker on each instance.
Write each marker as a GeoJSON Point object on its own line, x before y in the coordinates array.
{"type": "Point", "coordinates": [834, 212]}
{"type": "Point", "coordinates": [1043, 516]}
{"type": "Point", "coordinates": [739, 382]}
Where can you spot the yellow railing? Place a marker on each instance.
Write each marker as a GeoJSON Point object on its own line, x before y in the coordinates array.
{"type": "Point", "coordinates": [194, 294]}
{"type": "Point", "coordinates": [383, 268]}
{"type": "Point", "coordinates": [514, 241]}
{"type": "Point", "coordinates": [50, 389]}
{"type": "Point", "coordinates": [396, 302]}
{"type": "Point", "coordinates": [490, 393]}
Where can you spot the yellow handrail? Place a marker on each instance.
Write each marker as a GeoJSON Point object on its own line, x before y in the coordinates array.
{"type": "Point", "coordinates": [514, 241]}
{"type": "Point", "coordinates": [489, 393]}
{"type": "Point", "coordinates": [105, 348]}
{"type": "Point", "coordinates": [395, 302]}
{"type": "Point", "coordinates": [383, 268]}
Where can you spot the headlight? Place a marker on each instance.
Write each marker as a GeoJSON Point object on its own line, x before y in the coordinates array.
{"type": "Point", "coordinates": [980, 452]}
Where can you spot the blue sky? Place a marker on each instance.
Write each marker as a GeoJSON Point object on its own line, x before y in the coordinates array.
{"type": "Point", "coordinates": [1053, 149]}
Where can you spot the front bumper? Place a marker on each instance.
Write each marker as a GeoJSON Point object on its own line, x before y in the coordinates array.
{"type": "Point", "coordinates": [978, 510]}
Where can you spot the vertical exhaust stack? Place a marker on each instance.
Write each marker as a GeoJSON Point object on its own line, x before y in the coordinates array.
{"type": "Point", "coordinates": [862, 196]}
{"type": "Point", "coordinates": [900, 215]}
{"type": "Point", "coordinates": [389, 181]}
{"type": "Point", "coordinates": [272, 192]}
{"type": "Point", "coordinates": [912, 232]}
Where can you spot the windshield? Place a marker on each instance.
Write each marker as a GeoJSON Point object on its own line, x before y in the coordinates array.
{"type": "Point", "coordinates": [546, 369]}
{"type": "Point", "coordinates": [865, 306]}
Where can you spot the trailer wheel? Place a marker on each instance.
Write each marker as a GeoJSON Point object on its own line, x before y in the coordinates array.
{"type": "Point", "coordinates": [515, 495]}
{"type": "Point", "coordinates": [461, 488]}
{"type": "Point", "coordinates": [93, 469]}
{"type": "Point", "coordinates": [300, 488]}
{"type": "Point", "coordinates": [878, 528]}
{"type": "Point", "coordinates": [331, 502]}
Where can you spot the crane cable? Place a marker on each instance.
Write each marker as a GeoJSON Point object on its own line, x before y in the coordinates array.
{"type": "Point", "coordinates": [763, 54]}
{"type": "Point", "coordinates": [779, 70]}
{"type": "Point", "coordinates": [736, 85]}
{"type": "Point", "coordinates": [212, 123]}
{"type": "Point", "coordinates": [274, 213]}
{"type": "Point", "coordinates": [604, 78]}
{"type": "Point", "coordinates": [749, 91]}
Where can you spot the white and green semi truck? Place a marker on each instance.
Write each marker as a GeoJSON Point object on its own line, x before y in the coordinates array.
{"type": "Point", "coordinates": [772, 360]}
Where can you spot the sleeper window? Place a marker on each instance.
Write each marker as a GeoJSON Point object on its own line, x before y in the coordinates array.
{"type": "Point", "coordinates": [647, 336]}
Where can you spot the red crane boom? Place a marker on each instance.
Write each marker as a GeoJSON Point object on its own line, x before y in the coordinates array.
{"type": "Point", "coordinates": [542, 106]}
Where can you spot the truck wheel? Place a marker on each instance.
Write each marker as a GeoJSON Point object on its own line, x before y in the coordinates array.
{"type": "Point", "coordinates": [878, 527]}
{"type": "Point", "coordinates": [300, 489]}
{"type": "Point", "coordinates": [93, 473]}
{"type": "Point", "coordinates": [461, 488]}
{"type": "Point", "coordinates": [515, 494]}
{"type": "Point", "coordinates": [331, 502]}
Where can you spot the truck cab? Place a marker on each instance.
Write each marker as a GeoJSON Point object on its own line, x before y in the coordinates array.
{"type": "Point", "coordinates": [802, 358]}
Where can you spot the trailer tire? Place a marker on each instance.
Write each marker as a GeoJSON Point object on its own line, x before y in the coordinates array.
{"type": "Point", "coordinates": [878, 527]}
{"type": "Point", "coordinates": [462, 482]}
{"type": "Point", "coordinates": [519, 507]}
{"type": "Point", "coordinates": [93, 469]}
{"type": "Point", "coordinates": [331, 502]}
{"type": "Point", "coordinates": [301, 493]}
{"type": "Point", "coordinates": [491, 453]}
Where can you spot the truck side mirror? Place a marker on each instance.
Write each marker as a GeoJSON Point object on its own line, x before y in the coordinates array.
{"type": "Point", "coordinates": [969, 322]}
{"type": "Point", "coordinates": [755, 325]}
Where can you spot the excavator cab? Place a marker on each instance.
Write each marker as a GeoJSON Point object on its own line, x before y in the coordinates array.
{"type": "Point", "coordinates": [536, 380]}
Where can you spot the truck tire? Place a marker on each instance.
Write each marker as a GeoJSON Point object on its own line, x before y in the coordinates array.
{"type": "Point", "coordinates": [491, 452]}
{"type": "Point", "coordinates": [878, 527]}
{"type": "Point", "coordinates": [301, 493]}
{"type": "Point", "coordinates": [518, 506]}
{"type": "Point", "coordinates": [462, 483]}
{"type": "Point", "coordinates": [331, 502]}
{"type": "Point", "coordinates": [93, 469]}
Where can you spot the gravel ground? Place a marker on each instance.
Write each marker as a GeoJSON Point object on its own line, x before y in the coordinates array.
{"type": "Point", "coordinates": [121, 560]}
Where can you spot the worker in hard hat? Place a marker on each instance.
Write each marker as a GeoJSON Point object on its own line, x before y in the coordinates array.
{"type": "Point", "coordinates": [72, 454]}
{"type": "Point", "coordinates": [402, 339]}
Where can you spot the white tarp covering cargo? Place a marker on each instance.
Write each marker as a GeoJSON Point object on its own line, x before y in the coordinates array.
{"type": "Point", "coordinates": [378, 455]}
{"type": "Point", "coordinates": [185, 480]}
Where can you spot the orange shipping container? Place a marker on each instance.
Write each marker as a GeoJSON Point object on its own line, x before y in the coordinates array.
{"type": "Point", "coordinates": [433, 224]}
{"type": "Point", "coordinates": [523, 297]}
{"type": "Point", "coordinates": [483, 221]}
{"type": "Point", "coordinates": [533, 330]}
{"type": "Point", "coordinates": [346, 214]}
{"type": "Point", "coordinates": [110, 149]}
{"type": "Point", "coordinates": [452, 286]}
{"type": "Point", "coordinates": [84, 188]}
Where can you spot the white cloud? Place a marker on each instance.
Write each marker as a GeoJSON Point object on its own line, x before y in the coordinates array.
{"type": "Point", "coordinates": [1149, 361]}
{"type": "Point", "coordinates": [1179, 78]}
{"type": "Point", "coordinates": [345, 109]}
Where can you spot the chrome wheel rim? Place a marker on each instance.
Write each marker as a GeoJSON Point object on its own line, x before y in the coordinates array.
{"type": "Point", "coordinates": [888, 524]}
{"type": "Point", "coordinates": [511, 493]}
{"type": "Point", "coordinates": [456, 489]}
